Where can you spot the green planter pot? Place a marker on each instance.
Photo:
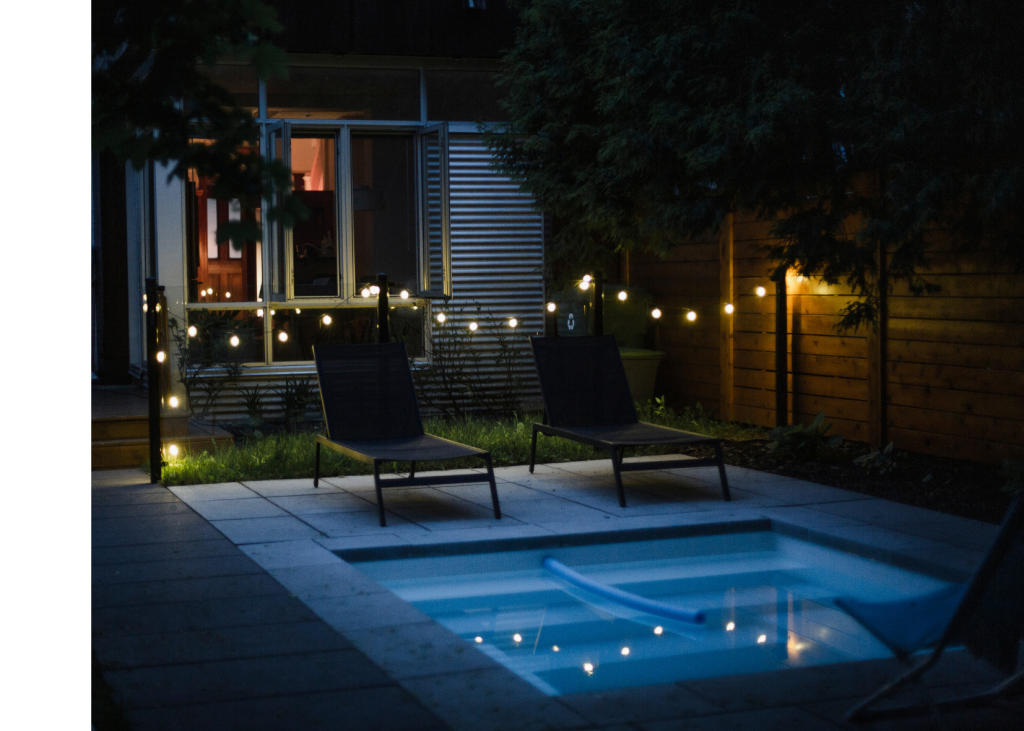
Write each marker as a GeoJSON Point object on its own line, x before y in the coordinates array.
{"type": "Point", "coordinates": [641, 371]}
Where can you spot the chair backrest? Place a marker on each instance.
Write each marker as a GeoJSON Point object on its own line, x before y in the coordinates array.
{"type": "Point", "coordinates": [990, 618]}
{"type": "Point", "coordinates": [367, 392]}
{"type": "Point", "coordinates": [582, 381]}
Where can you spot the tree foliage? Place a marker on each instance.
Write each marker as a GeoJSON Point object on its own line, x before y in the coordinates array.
{"type": "Point", "coordinates": [852, 126]}
{"type": "Point", "coordinates": [152, 98]}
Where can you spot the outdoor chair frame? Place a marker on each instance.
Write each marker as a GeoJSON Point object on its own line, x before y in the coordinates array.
{"type": "Point", "coordinates": [371, 415]}
{"type": "Point", "coordinates": [986, 619]}
{"type": "Point", "coordinates": [587, 399]}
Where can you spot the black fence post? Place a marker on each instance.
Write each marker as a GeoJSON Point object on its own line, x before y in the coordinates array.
{"type": "Point", "coordinates": [781, 354]}
{"type": "Point", "coordinates": [551, 320]}
{"type": "Point", "coordinates": [153, 380]}
{"type": "Point", "coordinates": [598, 303]}
{"type": "Point", "coordinates": [383, 330]}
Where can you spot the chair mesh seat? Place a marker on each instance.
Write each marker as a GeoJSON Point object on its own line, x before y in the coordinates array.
{"type": "Point", "coordinates": [423, 448]}
{"type": "Point", "coordinates": [637, 435]}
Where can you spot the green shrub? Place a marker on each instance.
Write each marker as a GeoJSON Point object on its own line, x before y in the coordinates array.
{"type": "Point", "coordinates": [803, 442]}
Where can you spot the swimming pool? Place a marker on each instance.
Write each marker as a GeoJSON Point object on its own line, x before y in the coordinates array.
{"type": "Point", "coordinates": [766, 599]}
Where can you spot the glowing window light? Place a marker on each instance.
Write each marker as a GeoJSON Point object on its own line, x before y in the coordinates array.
{"type": "Point", "coordinates": [760, 291]}
{"type": "Point", "coordinates": [624, 651]}
{"type": "Point", "coordinates": [173, 450]}
{"type": "Point", "coordinates": [517, 637]}
{"type": "Point", "coordinates": [551, 306]}
{"type": "Point", "coordinates": [513, 323]}
{"type": "Point", "coordinates": [374, 290]}
{"type": "Point", "coordinates": [404, 294]}
{"type": "Point", "coordinates": [160, 356]}
{"type": "Point", "coordinates": [234, 341]}
{"type": "Point", "coordinates": [192, 331]}
{"type": "Point", "coordinates": [658, 630]}
{"type": "Point", "coordinates": [691, 315]}
{"type": "Point", "coordinates": [472, 327]}
{"type": "Point", "coordinates": [326, 319]}
{"type": "Point", "coordinates": [478, 639]}
{"type": "Point", "coordinates": [588, 668]}
{"type": "Point", "coordinates": [282, 336]}
{"type": "Point", "coordinates": [441, 318]}
{"type": "Point", "coordinates": [259, 313]}
{"type": "Point", "coordinates": [623, 296]}
{"type": "Point", "coordinates": [656, 313]}
{"type": "Point", "coordinates": [729, 309]}
{"type": "Point", "coordinates": [173, 401]}
{"type": "Point", "coordinates": [730, 627]}
{"type": "Point", "coordinates": [762, 639]}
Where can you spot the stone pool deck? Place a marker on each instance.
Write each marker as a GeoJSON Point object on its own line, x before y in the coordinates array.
{"type": "Point", "coordinates": [224, 606]}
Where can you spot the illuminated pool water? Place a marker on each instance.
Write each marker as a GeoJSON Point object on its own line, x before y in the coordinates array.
{"type": "Point", "coordinates": [767, 598]}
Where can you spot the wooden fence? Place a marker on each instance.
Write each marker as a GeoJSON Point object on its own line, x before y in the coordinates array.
{"type": "Point", "coordinates": [942, 373]}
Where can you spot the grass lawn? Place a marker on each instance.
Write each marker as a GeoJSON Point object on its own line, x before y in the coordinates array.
{"type": "Point", "coordinates": [290, 455]}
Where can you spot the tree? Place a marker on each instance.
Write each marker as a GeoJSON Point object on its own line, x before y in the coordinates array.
{"type": "Point", "coordinates": [151, 98]}
{"type": "Point", "coordinates": [855, 127]}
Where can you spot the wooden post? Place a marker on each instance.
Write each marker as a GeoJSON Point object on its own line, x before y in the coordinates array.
{"type": "Point", "coordinates": [725, 341]}
{"type": "Point", "coordinates": [878, 337]}
{"type": "Point", "coordinates": [781, 353]}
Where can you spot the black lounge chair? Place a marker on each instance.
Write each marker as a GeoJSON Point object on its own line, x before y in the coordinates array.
{"type": "Point", "coordinates": [371, 415]}
{"type": "Point", "coordinates": [986, 615]}
{"type": "Point", "coordinates": [587, 399]}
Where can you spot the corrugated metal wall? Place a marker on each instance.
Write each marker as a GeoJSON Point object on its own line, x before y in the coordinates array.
{"type": "Point", "coordinates": [497, 264]}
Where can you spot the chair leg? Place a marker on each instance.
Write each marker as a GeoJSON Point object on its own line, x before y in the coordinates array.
{"type": "Point", "coordinates": [861, 712]}
{"type": "Point", "coordinates": [721, 471]}
{"type": "Point", "coordinates": [380, 496]}
{"type": "Point", "coordinates": [494, 488]}
{"type": "Point", "coordinates": [412, 470]}
{"type": "Point", "coordinates": [316, 467]}
{"type": "Point", "coordinates": [533, 448]}
{"type": "Point", "coordinates": [618, 476]}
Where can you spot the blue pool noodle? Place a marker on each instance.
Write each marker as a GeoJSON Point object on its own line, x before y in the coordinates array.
{"type": "Point", "coordinates": [623, 597]}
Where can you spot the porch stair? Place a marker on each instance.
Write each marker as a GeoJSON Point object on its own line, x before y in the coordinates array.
{"type": "Point", "coordinates": [120, 430]}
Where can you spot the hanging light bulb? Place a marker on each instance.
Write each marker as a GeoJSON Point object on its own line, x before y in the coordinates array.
{"type": "Point", "coordinates": [623, 296]}
{"type": "Point", "coordinates": [145, 307]}
{"type": "Point", "coordinates": [656, 313]}
{"type": "Point", "coordinates": [173, 450]}
{"type": "Point", "coordinates": [365, 292]}
{"type": "Point", "coordinates": [551, 306]}
{"type": "Point", "coordinates": [160, 356]}
{"type": "Point", "coordinates": [691, 315]}
{"type": "Point", "coordinates": [404, 294]}
{"type": "Point", "coordinates": [273, 312]}
{"type": "Point", "coordinates": [587, 278]}
{"type": "Point", "coordinates": [226, 295]}
{"type": "Point", "coordinates": [730, 627]}
{"type": "Point", "coordinates": [729, 309]}
{"type": "Point", "coordinates": [173, 401]}
{"type": "Point", "coordinates": [298, 311]}
{"type": "Point", "coordinates": [282, 336]}
{"type": "Point", "coordinates": [472, 327]}
{"type": "Point", "coordinates": [760, 291]}
{"type": "Point", "coordinates": [374, 290]}
{"type": "Point", "coordinates": [157, 306]}
{"type": "Point", "coordinates": [327, 319]}
{"type": "Point", "coordinates": [513, 322]}
{"type": "Point", "coordinates": [624, 651]}
{"type": "Point", "coordinates": [192, 331]}
{"type": "Point", "coordinates": [259, 313]}
{"type": "Point", "coordinates": [658, 630]}
{"type": "Point", "coordinates": [234, 341]}
{"type": "Point", "coordinates": [585, 285]}
{"type": "Point", "coordinates": [441, 318]}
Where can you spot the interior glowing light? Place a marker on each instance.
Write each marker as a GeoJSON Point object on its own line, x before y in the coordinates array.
{"type": "Point", "coordinates": [472, 327]}
{"type": "Point", "coordinates": [760, 291]}
{"type": "Point", "coordinates": [234, 341]}
{"type": "Point", "coordinates": [691, 315]}
{"type": "Point", "coordinates": [623, 296]}
{"type": "Point", "coordinates": [730, 627]}
{"type": "Point", "coordinates": [551, 306]}
{"type": "Point", "coordinates": [478, 639]}
{"type": "Point", "coordinates": [441, 318]}
{"type": "Point", "coordinates": [160, 356]}
{"type": "Point", "coordinates": [554, 648]}
{"type": "Point", "coordinates": [365, 292]}
{"type": "Point", "coordinates": [227, 295]}
{"type": "Point", "coordinates": [517, 637]}
{"type": "Point", "coordinates": [298, 311]}
{"type": "Point", "coordinates": [173, 401]}
{"type": "Point", "coordinates": [173, 450]}
{"type": "Point", "coordinates": [259, 313]}
{"type": "Point", "coordinates": [282, 336]}
{"type": "Point", "coordinates": [192, 331]}
{"type": "Point", "coordinates": [588, 667]}
{"type": "Point", "coordinates": [326, 319]}
{"type": "Point", "coordinates": [761, 639]}
{"type": "Point", "coordinates": [624, 651]}
{"type": "Point", "coordinates": [585, 285]}
{"type": "Point", "coordinates": [658, 630]}
{"type": "Point", "coordinates": [656, 313]}
{"type": "Point", "coordinates": [404, 294]}
{"type": "Point", "coordinates": [587, 278]}
{"type": "Point", "coordinates": [374, 290]}
{"type": "Point", "coordinates": [729, 309]}
{"type": "Point", "coordinates": [513, 322]}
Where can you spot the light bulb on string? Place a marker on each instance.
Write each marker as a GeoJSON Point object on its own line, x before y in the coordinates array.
{"type": "Point", "coordinates": [326, 319]}
{"type": "Point", "coordinates": [552, 306]}
{"type": "Point", "coordinates": [472, 327]}
{"type": "Point", "coordinates": [622, 296]}
{"type": "Point", "coordinates": [691, 315]}
{"type": "Point", "coordinates": [365, 292]}
{"type": "Point", "coordinates": [173, 401]}
{"type": "Point", "coordinates": [374, 290]}
{"type": "Point", "coordinates": [760, 291]}
{"type": "Point", "coordinates": [513, 323]}
{"type": "Point", "coordinates": [404, 294]}
{"type": "Point", "coordinates": [234, 341]}
{"type": "Point", "coordinates": [729, 309]}
{"type": "Point", "coordinates": [161, 356]}
{"type": "Point", "coordinates": [282, 336]}
{"type": "Point", "coordinates": [192, 331]}
{"type": "Point", "coordinates": [441, 318]}
{"type": "Point", "coordinates": [656, 313]}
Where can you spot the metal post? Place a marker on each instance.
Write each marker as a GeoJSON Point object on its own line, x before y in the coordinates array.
{"type": "Point", "coordinates": [598, 303]}
{"type": "Point", "coordinates": [781, 355]}
{"type": "Point", "coordinates": [383, 331]}
{"type": "Point", "coordinates": [153, 379]}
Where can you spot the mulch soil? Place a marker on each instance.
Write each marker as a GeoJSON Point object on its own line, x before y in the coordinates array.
{"type": "Point", "coordinates": [968, 489]}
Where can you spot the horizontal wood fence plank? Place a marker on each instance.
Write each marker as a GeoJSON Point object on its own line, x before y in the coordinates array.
{"type": "Point", "coordinates": [968, 285]}
{"type": "Point", "coordinates": [997, 357]}
{"type": "Point", "coordinates": [984, 309]}
{"type": "Point", "coordinates": [822, 365]}
{"type": "Point", "coordinates": [957, 331]}
{"type": "Point", "coordinates": [957, 447]}
{"type": "Point", "coordinates": [946, 400]}
{"type": "Point", "coordinates": [929, 421]}
{"type": "Point", "coordinates": [981, 380]}
{"type": "Point", "coordinates": [810, 344]}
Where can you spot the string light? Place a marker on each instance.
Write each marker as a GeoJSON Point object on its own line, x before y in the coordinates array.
{"type": "Point", "coordinates": [227, 295]}
{"type": "Point", "coordinates": [588, 668]}
{"type": "Point", "coordinates": [622, 296]}
{"type": "Point", "coordinates": [259, 313]}
{"type": "Point", "coordinates": [585, 285]}
{"type": "Point", "coordinates": [729, 309]}
{"type": "Point", "coordinates": [282, 336]}
{"type": "Point", "coordinates": [160, 356]}
{"type": "Point", "coordinates": [555, 648]}
{"type": "Point", "coordinates": [145, 307]}
{"type": "Point", "coordinates": [656, 313]}
{"type": "Point", "coordinates": [624, 651]}
{"type": "Point", "coordinates": [517, 637]}
{"type": "Point", "coordinates": [173, 401]}
{"type": "Point", "coordinates": [173, 450]}
{"type": "Point", "coordinates": [551, 306]}
{"type": "Point", "coordinates": [327, 319]}
{"type": "Point", "coordinates": [762, 639]}
{"type": "Point", "coordinates": [587, 278]}
{"type": "Point", "coordinates": [441, 318]}
{"type": "Point", "coordinates": [691, 315]}
{"type": "Point", "coordinates": [730, 627]}
{"type": "Point", "coordinates": [192, 331]}
{"type": "Point", "coordinates": [658, 630]}
{"type": "Point", "coordinates": [365, 292]}
{"type": "Point", "coordinates": [760, 291]}
{"type": "Point", "coordinates": [478, 639]}
{"type": "Point", "coordinates": [472, 327]}
{"type": "Point", "coordinates": [374, 290]}
{"type": "Point", "coordinates": [273, 312]}
{"type": "Point", "coordinates": [234, 341]}
{"type": "Point", "coordinates": [404, 294]}
{"type": "Point", "coordinates": [298, 311]}
{"type": "Point", "coordinates": [513, 322]}
{"type": "Point", "coordinates": [158, 306]}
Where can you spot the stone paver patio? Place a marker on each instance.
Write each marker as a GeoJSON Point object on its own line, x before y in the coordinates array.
{"type": "Point", "coordinates": [225, 606]}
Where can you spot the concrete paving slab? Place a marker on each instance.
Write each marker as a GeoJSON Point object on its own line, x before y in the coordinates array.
{"type": "Point", "coordinates": [154, 529]}
{"type": "Point", "coordinates": [140, 510]}
{"type": "Point", "coordinates": [179, 590]}
{"type": "Point", "coordinates": [637, 705]}
{"type": "Point", "coordinates": [773, 719]}
{"type": "Point", "coordinates": [216, 546]}
{"type": "Point", "coordinates": [288, 554]}
{"type": "Point", "coordinates": [366, 612]}
{"type": "Point", "coordinates": [417, 649]}
{"type": "Point", "coordinates": [264, 530]}
{"type": "Point", "coordinates": [251, 507]}
{"type": "Point", "coordinates": [328, 502]}
{"type": "Point", "coordinates": [221, 491]}
{"type": "Point", "coordinates": [325, 581]}
{"type": "Point", "coordinates": [285, 488]}
{"type": "Point", "coordinates": [338, 525]}
{"type": "Point", "coordinates": [121, 573]}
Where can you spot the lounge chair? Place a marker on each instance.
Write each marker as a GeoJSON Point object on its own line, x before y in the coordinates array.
{"type": "Point", "coordinates": [986, 615]}
{"type": "Point", "coordinates": [371, 415]}
{"type": "Point", "coordinates": [587, 399]}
